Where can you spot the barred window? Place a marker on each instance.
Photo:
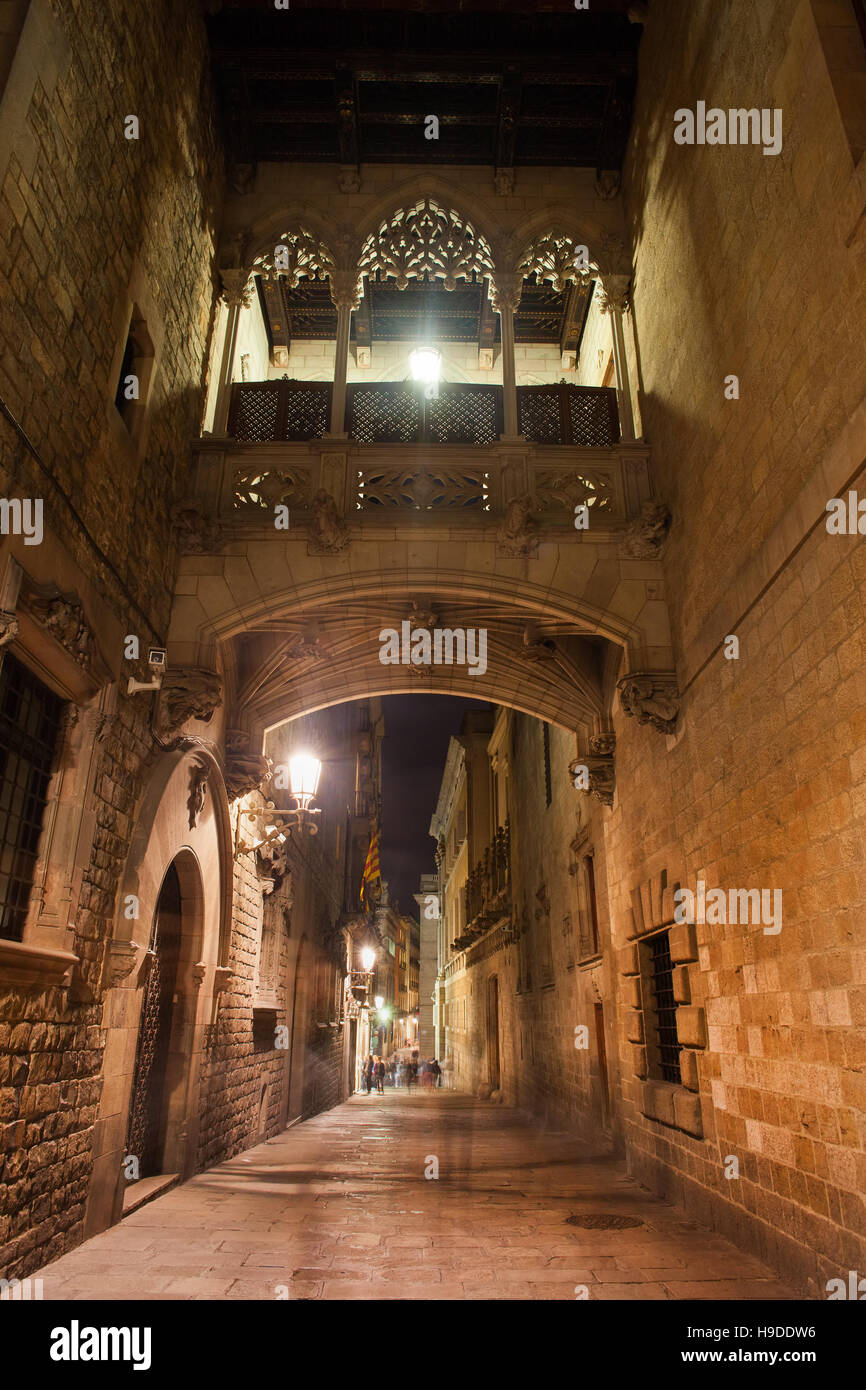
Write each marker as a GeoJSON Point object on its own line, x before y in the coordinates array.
{"type": "Point", "coordinates": [30, 717]}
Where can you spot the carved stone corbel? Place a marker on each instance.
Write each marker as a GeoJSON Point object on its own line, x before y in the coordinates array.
{"type": "Point", "coordinates": [600, 767]}
{"type": "Point", "coordinates": [121, 961]}
{"type": "Point", "coordinates": [651, 697]}
{"type": "Point", "coordinates": [8, 628]}
{"type": "Point", "coordinates": [646, 536]}
{"type": "Point", "coordinates": [195, 533]}
{"type": "Point", "coordinates": [187, 692]}
{"type": "Point", "coordinates": [245, 772]}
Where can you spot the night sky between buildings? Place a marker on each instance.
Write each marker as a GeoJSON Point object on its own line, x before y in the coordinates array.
{"type": "Point", "coordinates": [417, 730]}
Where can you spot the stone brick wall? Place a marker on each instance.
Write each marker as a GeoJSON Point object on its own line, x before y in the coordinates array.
{"type": "Point", "coordinates": [81, 211]}
{"type": "Point", "coordinates": [753, 265]}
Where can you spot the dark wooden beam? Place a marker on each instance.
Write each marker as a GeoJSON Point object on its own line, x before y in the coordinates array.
{"type": "Point", "coordinates": [508, 116]}
{"type": "Point", "coordinates": [347, 116]}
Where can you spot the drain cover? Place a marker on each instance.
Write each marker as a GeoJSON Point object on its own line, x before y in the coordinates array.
{"type": "Point", "coordinates": [603, 1221]}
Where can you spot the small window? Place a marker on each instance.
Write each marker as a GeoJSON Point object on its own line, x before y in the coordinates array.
{"type": "Point", "coordinates": [660, 1010]}
{"type": "Point", "coordinates": [133, 381]}
{"type": "Point", "coordinates": [30, 720]}
{"type": "Point", "coordinates": [589, 865]}
{"type": "Point", "coordinates": [548, 783]}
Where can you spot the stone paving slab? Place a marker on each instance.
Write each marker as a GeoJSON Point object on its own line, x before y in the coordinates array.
{"type": "Point", "coordinates": [339, 1208]}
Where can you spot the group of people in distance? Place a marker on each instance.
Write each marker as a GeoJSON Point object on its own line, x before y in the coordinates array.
{"type": "Point", "coordinates": [398, 1073]}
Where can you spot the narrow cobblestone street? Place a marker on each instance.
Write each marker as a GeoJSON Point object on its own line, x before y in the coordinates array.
{"type": "Point", "coordinates": [339, 1207]}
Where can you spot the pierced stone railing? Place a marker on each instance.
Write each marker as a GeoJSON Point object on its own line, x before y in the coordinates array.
{"type": "Point", "coordinates": [243, 481]}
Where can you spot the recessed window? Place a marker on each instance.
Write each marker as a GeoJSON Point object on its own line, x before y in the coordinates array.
{"type": "Point", "coordinates": [136, 366]}
{"type": "Point", "coordinates": [30, 720]}
{"type": "Point", "coordinates": [660, 1010]}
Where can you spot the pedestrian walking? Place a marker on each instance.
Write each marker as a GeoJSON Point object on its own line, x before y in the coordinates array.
{"type": "Point", "coordinates": [380, 1077]}
{"type": "Point", "coordinates": [437, 1073]}
{"type": "Point", "coordinates": [368, 1074]}
{"type": "Point", "coordinates": [411, 1075]}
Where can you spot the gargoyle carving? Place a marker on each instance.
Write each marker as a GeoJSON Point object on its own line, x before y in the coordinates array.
{"type": "Point", "coordinates": [651, 698]}
{"type": "Point", "coordinates": [188, 692]}
{"type": "Point", "coordinates": [646, 536]}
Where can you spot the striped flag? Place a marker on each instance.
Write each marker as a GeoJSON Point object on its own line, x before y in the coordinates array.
{"type": "Point", "coordinates": [371, 872]}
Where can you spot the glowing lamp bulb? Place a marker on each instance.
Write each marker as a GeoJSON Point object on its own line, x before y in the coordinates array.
{"type": "Point", "coordinates": [304, 772]}
{"type": "Point", "coordinates": [425, 364]}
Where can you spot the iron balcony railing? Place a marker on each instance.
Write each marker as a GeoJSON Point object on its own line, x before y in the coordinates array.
{"type": "Point", "coordinates": [396, 412]}
{"type": "Point", "coordinates": [487, 892]}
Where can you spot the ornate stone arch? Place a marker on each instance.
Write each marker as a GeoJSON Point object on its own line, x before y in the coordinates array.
{"type": "Point", "coordinates": [448, 195]}
{"type": "Point", "coordinates": [427, 237]}
{"type": "Point", "coordinates": [182, 822]}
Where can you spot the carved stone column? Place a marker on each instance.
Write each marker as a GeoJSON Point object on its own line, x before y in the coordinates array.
{"type": "Point", "coordinates": [613, 300]}
{"type": "Point", "coordinates": [236, 294]}
{"type": "Point", "coordinates": [505, 295]}
{"type": "Point", "coordinates": [345, 296]}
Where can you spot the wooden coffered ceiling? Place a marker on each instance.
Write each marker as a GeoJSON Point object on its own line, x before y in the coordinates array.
{"type": "Point", "coordinates": [424, 310]}
{"type": "Point", "coordinates": [511, 84]}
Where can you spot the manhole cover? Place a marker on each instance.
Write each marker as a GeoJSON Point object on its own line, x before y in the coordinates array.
{"type": "Point", "coordinates": [602, 1221]}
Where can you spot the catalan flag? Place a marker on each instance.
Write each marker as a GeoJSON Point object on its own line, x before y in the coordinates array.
{"type": "Point", "coordinates": [371, 872]}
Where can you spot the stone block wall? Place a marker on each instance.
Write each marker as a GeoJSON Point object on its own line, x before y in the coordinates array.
{"type": "Point", "coordinates": [760, 787]}
{"type": "Point", "coordinates": [87, 221]}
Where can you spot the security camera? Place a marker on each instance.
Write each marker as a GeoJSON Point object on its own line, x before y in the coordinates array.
{"type": "Point", "coordinates": [156, 662]}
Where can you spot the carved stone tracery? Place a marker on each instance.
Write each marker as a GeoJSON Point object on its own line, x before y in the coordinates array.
{"type": "Point", "coordinates": [427, 239]}
{"type": "Point", "coordinates": [304, 257]}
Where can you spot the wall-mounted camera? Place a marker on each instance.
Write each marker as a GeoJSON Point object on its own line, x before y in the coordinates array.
{"type": "Point", "coordinates": [157, 663]}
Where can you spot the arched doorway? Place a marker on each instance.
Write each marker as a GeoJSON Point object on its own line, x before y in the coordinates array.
{"type": "Point", "coordinates": [149, 1105]}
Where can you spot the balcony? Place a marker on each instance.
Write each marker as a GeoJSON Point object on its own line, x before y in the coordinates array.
{"type": "Point", "coordinates": [442, 458]}
{"type": "Point", "coordinates": [487, 892]}
{"type": "Point", "coordinates": [394, 413]}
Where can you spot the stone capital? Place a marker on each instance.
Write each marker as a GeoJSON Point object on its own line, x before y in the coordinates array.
{"type": "Point", "coordinates": [506, 290]}
{"type": "Point", "coordinates": [613, 293]}
{"type": "Point", "coordinates": [346, 288]}
{"type": "Point", "coordinates": [236, 288]}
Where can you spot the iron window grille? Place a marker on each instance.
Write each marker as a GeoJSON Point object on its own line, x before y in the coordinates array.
{"type": "Point", "coordinates": [664, 1009]}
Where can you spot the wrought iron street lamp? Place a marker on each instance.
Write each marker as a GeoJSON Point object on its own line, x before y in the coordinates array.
{"type": "Point", "coordinates": [275, 822]}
